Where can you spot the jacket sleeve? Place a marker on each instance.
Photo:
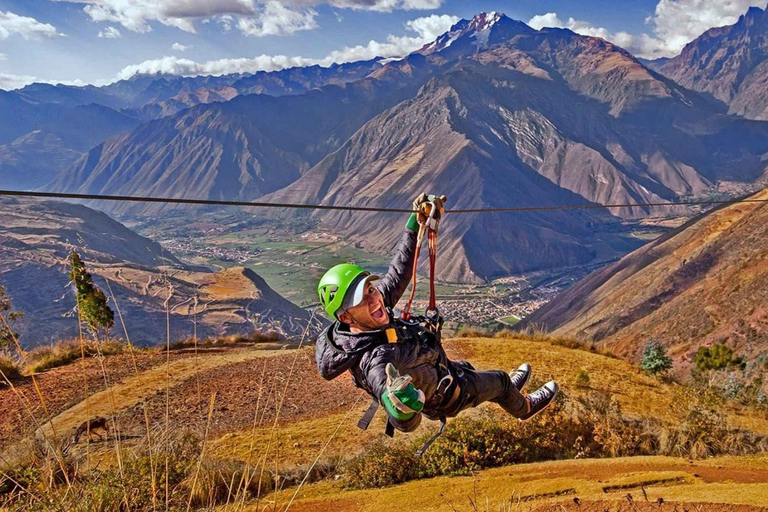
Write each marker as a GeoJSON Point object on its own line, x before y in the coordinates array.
{"type": "Point", "coordinates": [376, 376]}
{"type": "Point", "coordinates": [395, 282]}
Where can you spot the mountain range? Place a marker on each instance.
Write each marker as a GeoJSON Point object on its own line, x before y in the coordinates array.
{"type": "Point", "coordinates": [52, 126]}
{"type": "Point", "coordinates": [37, 237]}
{"type": "Point", "coordinates": [492, 113]}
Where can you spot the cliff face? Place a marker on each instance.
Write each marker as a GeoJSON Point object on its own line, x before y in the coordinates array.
{"type": "Point", "coordinates": [730, 63]}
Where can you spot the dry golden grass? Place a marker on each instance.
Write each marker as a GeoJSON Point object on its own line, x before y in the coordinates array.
{"type": "Point", "coordinates": [638, 394]}
{"type": "Point", "coordinates": [595, 479]}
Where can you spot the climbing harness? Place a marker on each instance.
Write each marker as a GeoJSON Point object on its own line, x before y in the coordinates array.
{"type": "Point", "coordinates": [423, 328]}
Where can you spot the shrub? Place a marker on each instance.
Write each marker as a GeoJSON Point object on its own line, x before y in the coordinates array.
{"type": "Point", "coordinates": [655, 360]}
{"type": "Point", "coordinates": [65, 352]}
{"type": "Point", "coordinates": [9, 368]}
{"type": "Point", "coordinates": [717, 357]}
{"type": "Point", "coordinates": [590, 426]}
{"type": "Point", "coordinates": [8, 338]}
{"type": "Point", "coordinates": [381, 465]}
{"type": "Point", "coordinates": [92, 305]}
{"type": "Point", "coordinates": [582, 378]}
{"type": "Point", "coordinates": [472, 332]}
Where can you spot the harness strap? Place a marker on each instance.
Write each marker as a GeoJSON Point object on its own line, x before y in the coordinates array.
{"type": "Point", "coordinates": [389, 430]}
{"type": "Point", "coordinates": [368, 416]}
{"type": "Point", "coordinates": [432, 247]}
{"type": "Point", "coordinates": [433, 438]}
{"type": "Point", "coordinates": [428, 227]}
{"type": "Point", "coordinates": [419, 239]}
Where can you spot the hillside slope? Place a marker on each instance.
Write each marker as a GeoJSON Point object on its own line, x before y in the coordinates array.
{"type": "Point", "coordinates": [36, 238]}
{"type": "Point", "coordinates": [706, 282]}
{"type": "Point", "coordinates": [235, 394]}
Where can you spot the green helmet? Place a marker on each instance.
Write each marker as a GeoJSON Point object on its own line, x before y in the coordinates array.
{"type": "Point", "coordinates": [342, 287]}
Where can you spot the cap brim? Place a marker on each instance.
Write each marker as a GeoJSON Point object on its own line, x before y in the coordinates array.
{"type": "Point", "coordinates": [356, 292]}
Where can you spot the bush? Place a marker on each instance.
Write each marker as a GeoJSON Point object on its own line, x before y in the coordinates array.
{"type": "Point", "coordinates": [10, 369]}
{"type": "Point", "coordinates": [560, 341]}
{"type": "Point", "coordinates": [65, 352]}
{"type": "Point", "coordinates": [655, 360]}
{"type": "Point", "coordinates": [472, 332]}
{"type": "Point", "coordinates": [717, 357]}
{"type": "Point", "coordinates": [589, 426]}
{"type": "Point", "coordinates": [582, 378]}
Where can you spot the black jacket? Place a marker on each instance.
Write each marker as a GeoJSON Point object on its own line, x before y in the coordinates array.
{"type": "Point", "coordinates": [365, 355]}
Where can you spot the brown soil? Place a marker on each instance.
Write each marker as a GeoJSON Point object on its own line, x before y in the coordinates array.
{"type": "Point", "coordinates": [64, 387]}
{"type": "Point", "coordinates": [245, 390]}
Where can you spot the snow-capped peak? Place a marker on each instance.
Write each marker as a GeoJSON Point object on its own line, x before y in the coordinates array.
{"type": "Point", "coordinates": [484, 21]}
{"type": "Point", "coordinates": [483, 30]}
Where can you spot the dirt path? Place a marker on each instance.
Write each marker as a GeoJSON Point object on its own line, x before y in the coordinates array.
{"type": "Point", "coordinates": [132, 390]}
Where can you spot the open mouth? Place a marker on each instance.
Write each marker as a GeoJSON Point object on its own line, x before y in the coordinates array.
{"type": "Point", "coordinates": [378, 313]}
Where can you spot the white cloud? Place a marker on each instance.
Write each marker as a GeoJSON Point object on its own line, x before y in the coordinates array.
{"type": "Point", "coordinates": [431, 27]}
{"type": "Point", "coordinates": [384, 5]}
{"type": "Point", "coordinates": [9, 82]}
{"type": "Point", "coordinates": [26, 27]}
{"type": "Point", "coordinates": [427, 28]}
{"type": "Point", "coordinates": [253, 17]}
{"type": "Point", "coordinates": [675, 23]}
{"type": "Point", "coordinates": [180, 47]}
{"type": "Point", "coordinates": [275, 20]}
{"type": "Point", "coordinates": [3, 56]}
{"type": "Point", "coordinates": [110, 33]}
{"type": "Point", "coordinates": [551, 19]}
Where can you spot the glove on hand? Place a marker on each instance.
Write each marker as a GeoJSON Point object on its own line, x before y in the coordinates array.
{"type": "Point", "coordinates": [438, 201]}
{"type": "Point", "coordinates": [401, 398]}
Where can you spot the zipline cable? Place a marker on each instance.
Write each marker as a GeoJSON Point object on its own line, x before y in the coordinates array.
{"type": "Point", "coordinates": [211, 202]}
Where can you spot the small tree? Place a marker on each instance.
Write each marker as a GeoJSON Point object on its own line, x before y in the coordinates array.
{"type": "Point", "coordinates": [91, 301]}
{"type": "Point", "coordinates": [655, 360]}
{"type": "Point", "coordinates": [709, 361]}
{"type": "Point", "coordinates": [9, 316]}
{"type": "Point", "coordinates": [717, 357]}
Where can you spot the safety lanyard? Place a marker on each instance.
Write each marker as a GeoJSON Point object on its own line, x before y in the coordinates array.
{"type": "Point", "coordinates": [428, 227]}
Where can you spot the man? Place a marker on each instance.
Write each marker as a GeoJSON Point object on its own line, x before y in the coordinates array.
{"type": "Point", "coordinates": [404, 366]}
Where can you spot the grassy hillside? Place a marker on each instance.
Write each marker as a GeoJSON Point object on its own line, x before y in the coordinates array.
{"type": "Point", "coordinates": [222, 412]}
{"type": "Point", "coordinates": [705, 283]}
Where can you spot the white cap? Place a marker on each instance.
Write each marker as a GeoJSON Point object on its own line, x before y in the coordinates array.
{"type": "Point", "coordinates": [356, 291]}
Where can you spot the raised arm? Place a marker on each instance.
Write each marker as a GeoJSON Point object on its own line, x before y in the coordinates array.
{"type": "Point", "coordinates": [393, 285]}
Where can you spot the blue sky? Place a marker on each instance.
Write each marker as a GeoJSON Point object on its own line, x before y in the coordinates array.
{"type": "Point", "coordinates": [98, 41]}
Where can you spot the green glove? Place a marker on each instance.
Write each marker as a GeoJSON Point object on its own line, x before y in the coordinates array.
{"type": "Point", "coordinates": [401, 399]}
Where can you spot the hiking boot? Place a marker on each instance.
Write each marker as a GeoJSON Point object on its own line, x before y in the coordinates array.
{"type": "Point", "coordinates": [520, 376]}
{"type": "Point", "coordinates": [540, 399]}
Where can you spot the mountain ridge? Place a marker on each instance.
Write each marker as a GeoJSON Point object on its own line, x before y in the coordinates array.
{"type": "Point", "coordinates": [730, 63]}
{"type": "Point", "coordinates": [700, 284]}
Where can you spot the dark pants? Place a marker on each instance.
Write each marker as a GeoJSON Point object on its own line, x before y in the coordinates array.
{"type": "Point", "coordinates": [491, 386]}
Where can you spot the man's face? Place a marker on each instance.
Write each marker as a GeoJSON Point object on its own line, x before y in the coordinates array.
{"type": "Point", "coordinates": [370, 314]}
